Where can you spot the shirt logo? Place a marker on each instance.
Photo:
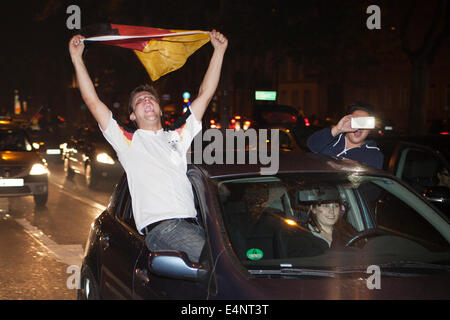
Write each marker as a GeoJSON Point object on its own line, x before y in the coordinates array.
{"type": "Point", "coordinates": [173, 144]}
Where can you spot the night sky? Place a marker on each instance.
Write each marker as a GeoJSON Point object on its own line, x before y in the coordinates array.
{"type": "Point", "coordinates": [34, 58]}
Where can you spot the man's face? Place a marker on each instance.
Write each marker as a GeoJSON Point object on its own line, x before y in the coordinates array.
{"type": "Point", "coordinates": [145, 109]}
{"type": "Point", "coordinates": [359, 136]}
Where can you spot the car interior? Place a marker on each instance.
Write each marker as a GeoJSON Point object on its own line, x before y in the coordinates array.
{"type": "Point", "coordinates": [257, 216]}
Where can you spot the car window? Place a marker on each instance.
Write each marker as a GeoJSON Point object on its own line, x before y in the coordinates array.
{"type": "Point", "coordinates": [418, 168]}
{"type": "Point", "coordinates": [116, 198]}
{"type": "Point", "coordinates": [394, 214]}
{"type": "Point", "coordinates": [14, 140]}
{"type": "Point", "coordinates": [268, 221]}
{"type": "Point", "coordinates": [124, 211]}
{"type": "Point", "coordinates": [127, 212]}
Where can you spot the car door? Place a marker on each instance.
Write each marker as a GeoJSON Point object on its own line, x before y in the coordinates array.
{"type": "Point", "coordinates": [121, 248]}
{"type": "Point", "coordinates": [151, 286]}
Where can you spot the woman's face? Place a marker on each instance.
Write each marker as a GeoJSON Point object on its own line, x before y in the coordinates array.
{"type": "Point", "coordinates": [327, 214]}
{"type": "Point", "coordinates": [444, 177]}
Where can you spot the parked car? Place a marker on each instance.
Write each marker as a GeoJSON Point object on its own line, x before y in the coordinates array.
{"type": "Point", "coordinates": [257, 246]}
{"type": "Point", "coordinates": [287, 117]}
{"type": "Point", "coordinates": [23, 172]}
{"type": "Point", "coordinates": [417, 164]}
{"type": "Point", "coordinates": [90, 155]}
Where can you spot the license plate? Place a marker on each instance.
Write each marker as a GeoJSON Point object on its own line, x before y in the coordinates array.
{"type": "Point", "coordinates": [11, 182]}
{"type": "Point", "coordinates": [53, 151]}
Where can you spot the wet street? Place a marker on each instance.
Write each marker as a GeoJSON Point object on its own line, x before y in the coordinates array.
{"type": "Point", "coordinates": [41, 249]}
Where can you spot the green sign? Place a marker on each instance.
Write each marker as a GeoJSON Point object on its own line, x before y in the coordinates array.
{"type": "Point", "coordinates": [266, 95]}
{"type": "Point", "coordinates": [254, 254]}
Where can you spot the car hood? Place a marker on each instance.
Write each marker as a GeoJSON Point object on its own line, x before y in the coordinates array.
{"type": "Point", "coordinates": [18, 157]}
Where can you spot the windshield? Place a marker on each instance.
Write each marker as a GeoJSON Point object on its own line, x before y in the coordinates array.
{"type": "Point", "coordinates": [14, 140]}
{"type": "Point", "coordinates": [329, 221]}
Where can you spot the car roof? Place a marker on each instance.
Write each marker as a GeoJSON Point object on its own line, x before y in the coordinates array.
{"type": "Point", "coordinates": [290, 162]}
{"type": "Point", "coordinates": [261, 107]}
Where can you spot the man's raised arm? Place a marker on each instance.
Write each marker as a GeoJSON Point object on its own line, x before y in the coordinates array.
{"type": "Point", "coordinates": [212, 75]}
{"type": "Point", "coordinates": [98, 109]}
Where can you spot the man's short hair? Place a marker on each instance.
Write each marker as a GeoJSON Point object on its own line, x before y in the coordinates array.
{"type": "Point", "coordinates": [360, 106]}
{"type": "Point", "coordinates": [144, 87]}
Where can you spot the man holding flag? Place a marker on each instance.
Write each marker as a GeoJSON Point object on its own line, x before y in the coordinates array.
{"type": "Point", "coordinates": [155, 159]}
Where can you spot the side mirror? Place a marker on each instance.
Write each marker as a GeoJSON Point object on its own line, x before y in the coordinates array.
{"type": "Point", "coordinates": [439, 194]}
{"type": "Point", "coordinates": [176, 265]}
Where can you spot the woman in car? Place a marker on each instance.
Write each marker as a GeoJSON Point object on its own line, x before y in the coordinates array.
{"type": "Point", "coordinates": [325, 220]}
{"type": "Point", "coordinates": [443, 177]}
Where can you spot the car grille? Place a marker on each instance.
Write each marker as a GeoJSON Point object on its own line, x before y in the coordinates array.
{"type": "Point", "coordinates": [13, 171]}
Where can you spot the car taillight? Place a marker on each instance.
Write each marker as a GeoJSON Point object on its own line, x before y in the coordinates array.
{"type": "Point", "coordinates": [307, 122]}
{"type": "Point", "coordinates": [246, 125]}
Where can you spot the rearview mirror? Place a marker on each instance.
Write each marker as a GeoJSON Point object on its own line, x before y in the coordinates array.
{"type": "Point", "coordinates": [176, 265]}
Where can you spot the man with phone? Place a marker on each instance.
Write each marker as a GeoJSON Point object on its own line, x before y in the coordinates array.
{"type": "Point", "coordinates": [347, 139]}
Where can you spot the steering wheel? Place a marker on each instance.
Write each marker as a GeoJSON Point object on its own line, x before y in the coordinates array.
{"type": "Point", "coordinates": [369, 233]}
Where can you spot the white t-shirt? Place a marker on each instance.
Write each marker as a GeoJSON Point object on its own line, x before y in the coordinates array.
{"type": "Point", "coordinates": [156, 166]}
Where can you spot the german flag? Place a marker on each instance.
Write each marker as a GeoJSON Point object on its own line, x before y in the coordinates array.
{"type": "Point", "coordinates": [160, 50]}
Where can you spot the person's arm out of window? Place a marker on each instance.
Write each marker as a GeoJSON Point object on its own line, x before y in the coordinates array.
{"type": "Point", "coordinates": [211, 79]}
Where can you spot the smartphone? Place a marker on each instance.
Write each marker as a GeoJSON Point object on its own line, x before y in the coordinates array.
{"type": "Point", "coordinates": [363, 123]}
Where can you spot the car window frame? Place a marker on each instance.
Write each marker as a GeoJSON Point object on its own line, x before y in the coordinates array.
{"type": "Point", "coordinates": [124, 215]}
{"type": "Point", "coordinates": [403, 153]}
{"type": "Point", "coordinates": [118, 191]}
{"type": "Point", "coordinates": [354, 202]}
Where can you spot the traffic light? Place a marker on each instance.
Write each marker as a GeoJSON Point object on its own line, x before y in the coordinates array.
{"type": "Point", "coordinates": [186, 102]}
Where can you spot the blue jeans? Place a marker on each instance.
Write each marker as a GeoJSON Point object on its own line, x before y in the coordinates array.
{"type": "Point", "coordinates": [179, 235]}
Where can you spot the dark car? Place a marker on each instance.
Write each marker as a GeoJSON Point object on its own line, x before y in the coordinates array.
{"type": "Point", "coordinates": [259, 247]}
{"type": "Point", "coordinates": [90, 155]}
{"type": "Point", "coordinates": [418, 163]}
{"type": "Point", "coordinates": [287, 117]}
{"type": "Point", "coordinates": [49, 143]}
{"type": "Point", "coordinates": [23, 172]}
{"type": "Point", "coordinates": [286, 139]}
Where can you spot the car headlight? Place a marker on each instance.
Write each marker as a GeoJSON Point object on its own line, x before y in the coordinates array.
{"type": "Point", "coordinates": [105, 158]}
{"type": "Point", "coordinates": [38, 169]}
